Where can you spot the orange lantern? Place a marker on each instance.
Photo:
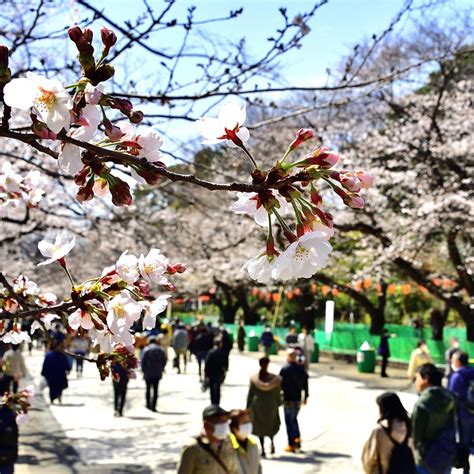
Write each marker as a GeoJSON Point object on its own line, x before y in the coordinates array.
{"type": "Point", "coordinates": [289, 295]}
{"type": "Point", "coordinates": [391, 288]}
{"type": "Point", "coordinates": [275, 297]}
{"type": "Point", "coordinates": [179, 300]}
{"type": "Point", "coordinates": [255, 291]}
{"type": "Point", "coordinates": [297, 291]}
{"type": "Point", "coordinates": [378, 288]}
{"type": "Point", "coordinates": [204, 298]}
{"type": "Point", "coordinates": [437, 281]}
{"type": "Point", "coordinates": [358, 285]}
{"type": "Point", "coordinates": [367, 283]}
{"type": "Point", "coordinates": [325, 290]}
{"type": "Point", "coordinates": [422, 289]}
{"type": "Point", "coordinates": [335, 291]}
{"type": "Point", "coordinates": [406, 289]}
{"type": "Point", "coordinates": [314, 288]}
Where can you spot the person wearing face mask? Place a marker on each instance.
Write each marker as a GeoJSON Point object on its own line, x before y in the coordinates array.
{"type": "Point", "coordinates": [212, 451]}
{"type": "Point", "coordinates": [453, 347]}
{"type": "Point", "coordinates": [248, 458]}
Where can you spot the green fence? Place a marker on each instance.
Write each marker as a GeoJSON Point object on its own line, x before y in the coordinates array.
{"type": "Point", "coordinates": [347, 338]}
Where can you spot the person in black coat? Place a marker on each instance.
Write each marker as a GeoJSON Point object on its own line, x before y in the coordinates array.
{"type": "Point", "coordinates": [294, 383]}
{"type": "Point", "coordinates": [215, 370]}
{"type": "Point", "coordinates": [120, 379]}
{"type": "Point", "coordinates": [384, 351]}
{"type": "Point", "coordinates": [153, 364]}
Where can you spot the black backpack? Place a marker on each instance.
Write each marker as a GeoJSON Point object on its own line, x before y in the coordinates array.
{"type": "Point", "coordinates": [402, 460]}
{"type": "Point", "coordinates": [8, 435]}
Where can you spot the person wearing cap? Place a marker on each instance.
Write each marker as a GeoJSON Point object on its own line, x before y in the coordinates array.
{"type": "Point", "coordinates": [212, 451]}
{"type": "Point", "coordinates": [294, 381]}
{"type": "Point", "coordinates": [244, 443]}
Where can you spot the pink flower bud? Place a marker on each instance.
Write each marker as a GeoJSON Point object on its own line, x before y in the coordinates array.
{"type": "Point", "coordinates": [180, 267]}
{"type": "Point", "coordinates": [108, 37]}
{"type": "Point", "coordinates": [322, 157]}
{"type": "Point", "coordinates": [88, 35]}
{"type": "Point", "coordinates": [169, 287]}
{"type": "Point", "coordinates": [354, 201]}
{"type": "Point", "coordinates": [75, 33]}
{"type": "Point", "coordinates": [93, 94]}
{"type": "Point", "coordinates": [316, 198]}
{"type": "Point", "coordinates": [302, 135]}
{"type": "Point", "coordinates": [86, 193]}
{"type": "Point", "coordinates": [120, 190]}
{"type": "Point", "coordinates": [136, 117]}
{"type": "Point", "coordinates": [366, 179]}
{"type": "Point", "coordinates": [232, 136]}
{"type": "Point", "coordinates": [143, 287]}
{"type": "Point", "coordinates": [350, 181]}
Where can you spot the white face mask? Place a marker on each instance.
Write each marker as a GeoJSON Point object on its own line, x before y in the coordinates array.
{"type": "Point", "coordinates": [245, 429]}
{"type": "Point", "coordinates": [221, 430]}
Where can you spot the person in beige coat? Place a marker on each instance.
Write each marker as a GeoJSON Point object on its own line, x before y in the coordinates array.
{"type": "Point", "coordinates": [14, 366]}
{"type": "Point", "coordinates": [393, 426]}
{"type": "Point", "coordinates": [245, 445]}
{"type": "Point", "coordinates": [421, 355]}
{"type": "Point", "coordinates": [211, 452]}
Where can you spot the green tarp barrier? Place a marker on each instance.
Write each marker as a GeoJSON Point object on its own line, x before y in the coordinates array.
{"type": "Point", "coordinates": [347, 338]}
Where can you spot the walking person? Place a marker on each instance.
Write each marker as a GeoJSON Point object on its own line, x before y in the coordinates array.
{"type": "Point", "coordinates": [120, 379]}
{"type": "Point", "coordinates": [203, 343]}
{"type": "Point", "coordinates": [246, 449]}
{"type": "Point", "coordinates": [263, 400]}
{"type": "Point", "coordinates": [461, 383]}
{"type": "Point", "coordinates": [420, 356]}
{"type": "Point", "coordinates": [80, 346]}
{"type": "Point", "coordinates": [55, 370]}
{"type": "Point", "coordinates": [294, 383]}
{"type": "Point", "coordinates": [266, 340]}
{"type": "Point", "coordinates": [241, 335]}
{"type": "Point", "coordinates": [215, 371]}
{"type": "Point", "coordinates": [13, 367]}
{"type": "Point", "coordinates": [306, 342]}
{"type": "Point", "coordinates": [384, 351]}
{"type": "Point", "coordinates": [453, 347]}
{"type": "Point", "coordinates": [164, 339]}
{"type": "Point", "coordinates": [211, 452]}
{"type": "Point", "coordinates": [291, 339]}
{"type": "Point", "coordinates": [433, 423]}
{"type": "Point", "coordinates": [180, 346]}
{"type": "Point", "coordinates": [153, 362]}
{"type": "Point", "coordinates": [387, 449]}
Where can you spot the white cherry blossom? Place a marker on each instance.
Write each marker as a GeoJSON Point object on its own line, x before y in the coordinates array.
{"type": "Point", "coordinates": [259, 268]}
{"type": "Point", "coordinates": [47, 96]}
{"type": "Point", "coordinates": [57, 250]}
{"type": "Point", "coordinates": [231, 116]}
{"type": "Point", "coordinates": [92, 94]}
{"type": "Point", "coordinates": [80, 319]}
{"type": "Point", "coordinates": [122, 311]}
{"type": "Point", "coordinates": [304, 257]}
{"type": "Point", "coordinates": [70, 156]}
{"type": "Point", "coordinates": [153, 309]}
{"type": "Point", "coordinates": [248, 203]}
{"type": "Point", "coordinates": [15, 336]}
{"type": "Point", "coordinates": [153, 266]}
{"type": "Point", "coordinates": [47, 320]}
{"type": "Point", "coordinates": [127, 267]}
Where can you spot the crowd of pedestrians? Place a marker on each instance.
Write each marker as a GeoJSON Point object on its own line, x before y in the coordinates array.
{"type": "Point", "coordinates": [438, 435]}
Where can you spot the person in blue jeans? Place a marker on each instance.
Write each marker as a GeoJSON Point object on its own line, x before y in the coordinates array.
{"type": "Point", "coordinates": [294, 384]}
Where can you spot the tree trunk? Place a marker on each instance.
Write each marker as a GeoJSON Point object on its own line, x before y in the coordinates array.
{"type": "Point", "coordinates": [377, 322]}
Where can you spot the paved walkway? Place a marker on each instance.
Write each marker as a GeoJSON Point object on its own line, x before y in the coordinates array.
{"type": "Point", "coordinates": [83, 436]}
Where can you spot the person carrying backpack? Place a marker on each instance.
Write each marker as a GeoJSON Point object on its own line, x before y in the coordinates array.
{"type": "Point", "coordinates": [433, 423]}
{"type": "Point", "coordinates": [461, 383]}
{"type": "Point", "coordinates": [387, 450]}
{"type": "Point", "coordinates": [8, 439]}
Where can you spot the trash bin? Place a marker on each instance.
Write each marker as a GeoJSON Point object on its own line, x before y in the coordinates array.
{"type": "Point", "coordinates": [315, 354]}
{"type": "Point", "coordinates": [252, 343]}
{"type": "Point", "coordinates": [366, 359]}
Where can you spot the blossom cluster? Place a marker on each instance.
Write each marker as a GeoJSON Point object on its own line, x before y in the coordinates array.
{"type": "Point", "coordinates": [19, 403]}
{"type": "Point", "coordinates": [104, 308]}
{"type": "Point", "coordinates": [288, 188]}
{"type": "Point", "coordinates": [16, 189]}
